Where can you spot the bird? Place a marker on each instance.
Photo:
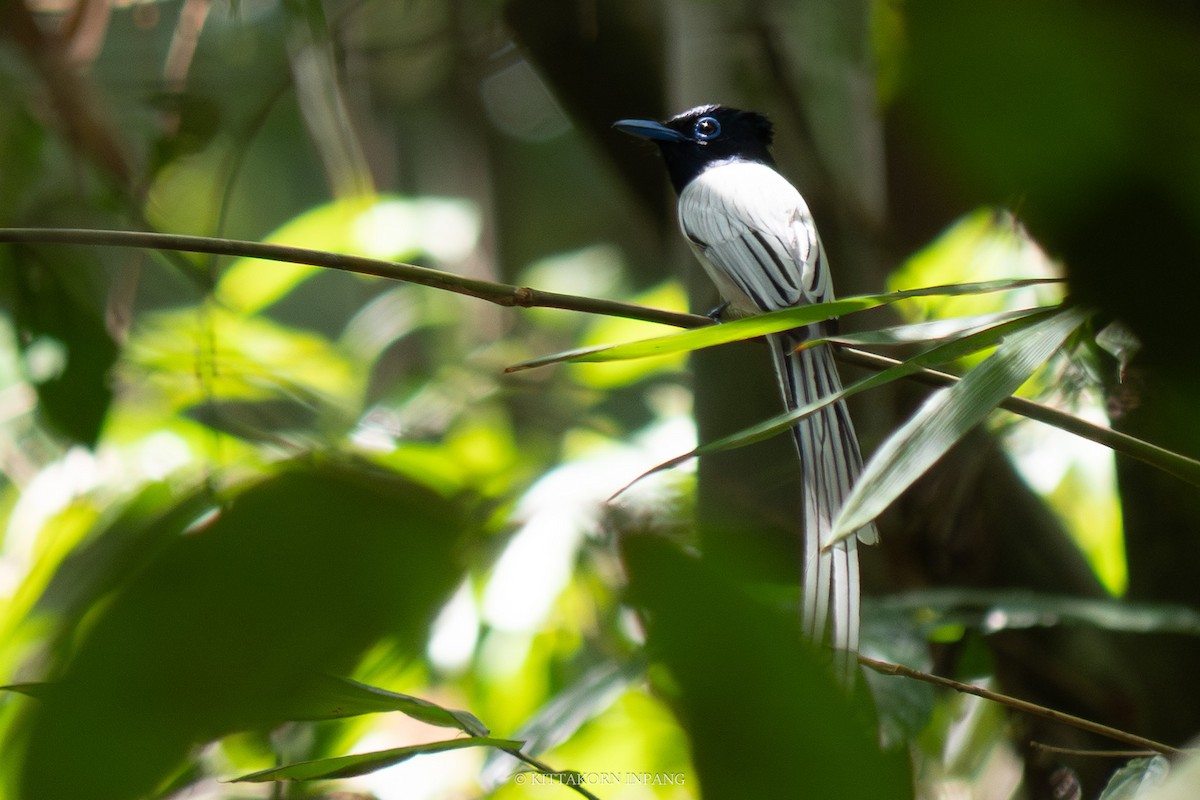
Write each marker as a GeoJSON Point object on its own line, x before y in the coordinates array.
{"type": "Point", "coordinates": [755, 237]}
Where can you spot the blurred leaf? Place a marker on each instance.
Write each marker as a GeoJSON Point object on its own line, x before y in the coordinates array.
{"type": "Point", "coordinates": [997, 610]}
{"type": "Point", "coordinates": [1099, 142]}
{"type": "Point", "coordinates": [66, 348]}
{"type": "Point", "coordinates": [558, 719]}
{"type": "Point", "coordinates": [118, 546]}
{"type": "Point", "coordinates": [223, 628]}
{"type": "Point", "coordinates": [759, 325]}
{"type": "Point", "coordinates": [197, 121]}
{"type": "Point", "coordinates": [335, 698]}
{"type": "Point", "coordinates": [982, 245]}
{"type": "Point", "coordinates": [905, 707]}
{"type": "Point", "coordinates": [1090, 79]}
{"type": "Point", "coordinates": [1137, 778]}
{"type": "Point", "coordinates": [257, 420]}
{"type": "Point", "coordinates": [1182, 782]}
{"type": "Point", "coordinates": [382, 226]}
{"type": "Point", "coordinates": [199, 357]}
{"type": "Point", "coordinates": [349, 766]}
{"type": "Point", "coordinates": [30, 689]}
{"type": "Point", "coordinates": [320, 94]}
{"type": "Point", "coordinates": [668, 296]}
{"type": "Point", "coordinates": [948, 415]}
{"type": "Point", "coordinates": [759, 703]}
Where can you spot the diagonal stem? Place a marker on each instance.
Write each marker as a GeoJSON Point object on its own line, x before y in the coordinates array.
{"type": "Point", "coordinates": [1024, 706]}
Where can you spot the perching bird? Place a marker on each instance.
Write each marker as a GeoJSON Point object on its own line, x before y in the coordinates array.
{"type": "Point", "coordinates": [754, 236]}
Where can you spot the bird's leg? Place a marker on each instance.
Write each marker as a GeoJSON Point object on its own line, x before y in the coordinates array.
{"type": "Point", "coordinates": [717, 312]}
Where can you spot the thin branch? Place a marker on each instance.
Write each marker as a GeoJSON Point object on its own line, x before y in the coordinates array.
{"type": "Point", "coordinates": [1071, 751]}
{"type": "Point", "coordinates": [546, 769]}
{"type": "Point", "coordinates": [499, 293]}
{"type": "Point", "coordinates": [1024, 706]}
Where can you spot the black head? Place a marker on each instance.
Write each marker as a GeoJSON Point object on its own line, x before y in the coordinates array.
{"type": "Point", "coordinates": [706, 135]}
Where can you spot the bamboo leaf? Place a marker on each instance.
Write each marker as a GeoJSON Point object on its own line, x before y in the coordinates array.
{"type": "Point", "coordinates": [941, 354]}
{"type": "Point", "coordinates": [936, 331]}
{"type": "Point", "coordinates": [993, 610]}
{"type": "Point", "coordinates": [948, 415]}
{"type": "Point", "coordinates": [760, 325]}
{"type": "Point", "coordinates": [350, 766]}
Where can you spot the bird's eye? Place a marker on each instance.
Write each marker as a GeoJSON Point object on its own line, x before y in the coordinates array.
{"type": "Point", "coordinates": [706, 128]}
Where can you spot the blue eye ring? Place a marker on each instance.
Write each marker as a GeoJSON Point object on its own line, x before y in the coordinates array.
{"type": "Point", "coordinates": [706, 128]}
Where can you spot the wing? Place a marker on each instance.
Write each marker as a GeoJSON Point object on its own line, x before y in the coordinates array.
{"type": "Point", "coordinates": [755, 237]}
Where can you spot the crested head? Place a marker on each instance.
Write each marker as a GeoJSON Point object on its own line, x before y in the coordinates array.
{"type": "Point", "coordinates": [700, 137]}
{"type": "Point", "coordinates": [733, 126]}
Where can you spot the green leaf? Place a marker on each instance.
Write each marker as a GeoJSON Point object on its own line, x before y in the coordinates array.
{"type": "Point", "coordinates": [996, 610]}
{"type": "Point", "coordinates": [350, 766]}
{"type": "Point", "coordinates": [795, 727]}
{"type": "Point", "coordinates": [230, 623]}
{"type": "Point", "coordinates": [760, 325]}
{"type": "Point", "coordinates": [335, 698]}
{"type": "Point", "coordinates": [948, 415]}
{"type": "Point", "coordinates": [67, 352]}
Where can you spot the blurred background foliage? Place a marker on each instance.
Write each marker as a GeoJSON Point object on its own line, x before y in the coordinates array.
{"type": "Point", "coordinates": [224, 479]}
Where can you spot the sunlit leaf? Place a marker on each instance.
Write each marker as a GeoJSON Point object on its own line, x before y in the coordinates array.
{"type": "Point", "coordinates": [349, 766]}
{"type": "Point", "coordinates": [948, 415]}
{"type": "Point", "coordinates": [386, 227]}
{"type": "Point", "coordinates": [670, 296]}
{"type": "Point", "coordinates": [759, 325]}
{"type": "Point", "coordinates": [203, 357]}
{"type": "Point", "coordinates": [981, 245]}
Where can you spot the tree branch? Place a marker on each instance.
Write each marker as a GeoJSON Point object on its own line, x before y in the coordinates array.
{"type": "Point", "coordinates": [499, 293]}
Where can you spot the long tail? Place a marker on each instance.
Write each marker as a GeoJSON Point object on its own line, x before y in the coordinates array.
{"type": "Point", "coordinates": [830, 463]}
